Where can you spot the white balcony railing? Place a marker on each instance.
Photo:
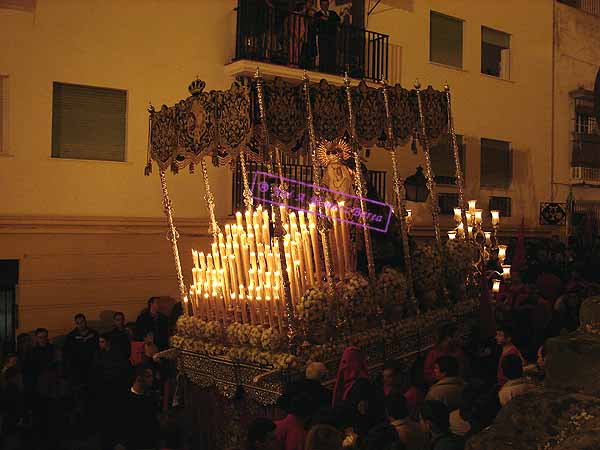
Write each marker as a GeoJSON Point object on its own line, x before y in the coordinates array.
{"type": "Point", "coordinates": [585, 175]}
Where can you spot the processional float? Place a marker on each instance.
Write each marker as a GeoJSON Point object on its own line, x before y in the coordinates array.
{"type": "Point", "coordinates": [281, 284]}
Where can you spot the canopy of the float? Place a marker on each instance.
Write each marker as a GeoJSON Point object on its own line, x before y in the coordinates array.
{"type": "Point", "coordinates": [220, 124]}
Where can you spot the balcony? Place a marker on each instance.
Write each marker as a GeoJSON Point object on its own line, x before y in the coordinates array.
{"type": "Point", "coordinates": [588, 6]}
{"type": "Point", "coordinates": [276, 36]}
{"type": "Point", "coordinates": [585, 162]}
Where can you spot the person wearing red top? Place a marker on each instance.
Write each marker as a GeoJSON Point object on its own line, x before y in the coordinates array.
{"type": "Point", "coordinates": [291, 431]}
{"type": "Point", "coordinates": [504, 336]}
{"type": "Point", "coordinates": [446, 346]}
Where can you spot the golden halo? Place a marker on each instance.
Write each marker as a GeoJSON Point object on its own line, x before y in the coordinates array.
{"type": "Point", "coordinates": [329, 152]}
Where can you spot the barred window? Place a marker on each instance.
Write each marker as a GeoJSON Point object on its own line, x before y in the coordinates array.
{"type": "Point", "coordinates": [88, 122]}
{"type": "Point", "coordinates": [502, 204]}
{"type": "Point", "coordinates": [447, 202]}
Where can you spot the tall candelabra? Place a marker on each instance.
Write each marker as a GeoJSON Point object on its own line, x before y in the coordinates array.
{"type": "Point", "coordinates": [486, 242]}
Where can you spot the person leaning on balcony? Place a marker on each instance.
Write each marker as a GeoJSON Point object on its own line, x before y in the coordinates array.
{"type": "Point", "coordinates": [328, 23]}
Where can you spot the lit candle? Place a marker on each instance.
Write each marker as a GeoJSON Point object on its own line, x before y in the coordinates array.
{"type": "Point", "coordinates": [269, 307]}
{"type": "Point", "coordinates": [283, 212]}
{"type": "Point", "coordinates": [502, 253]}
{"type": "Point", "coordinates": [315, 248]}
{"type": "Point", "coordinates": [265, 234]}
{"type": "Point", "coordinates": [265, 218]}
{"type": "Point", "coordinates": [202, 261]}
{"type": "Point", "coordinates": [472, 206]}
{"type": "Point", "coordinates": [461, 229]}
{"type": "Point", "coordinates": [186, 306]}
{"type": "Point", "coordinates": [495, 217]}
{"type": "Point", "coordinates": [345, 235]}
{"type": "Point", "coordinates": [496, 286]}
{"type": "Point", "coordinates": [253, 318]}
{"type": "Point", "coordinates": [341, 264]}
{"type": "Point", "coordinates": [478, 216]}
{"type": "Point", "coordinates": [451, 235]}
{"type": "Point", "coordinates": [234, 304]}
{"type": "Point", "coordinates": [458, 214]}
{"type": "Point", "coordinates": [221, 239]}
{"type": "Point", "coordinates": [488, 237]}
{"type": "Point", "coordinates": [238, 218]}
{"type": "Point", "coordinates": [209, 309]}
{"type": "Point", "coordinates": [310, 270]}
{"type": "Point", "coordinates": [243, 304]}
{"type": "Point", "coordinates": [195, 258]}
{"type": "Point", "coordinates": [470, 230]}
{"type": "Point", "coordinates": [506, 271]}
{"type": "Point", "coordinates": [215, 255]}
{"type": "Point", "coordinates": [301, 219]}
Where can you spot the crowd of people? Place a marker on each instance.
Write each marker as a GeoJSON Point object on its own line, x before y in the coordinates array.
{"type": "Point", "coordinates": [111, 386]}
{"type": "Point", "coordinates": [451, 393]}
{"type": "Point", "coordinates": [115, 385]}
{"type": "Point", "coordinates": [307, 36]}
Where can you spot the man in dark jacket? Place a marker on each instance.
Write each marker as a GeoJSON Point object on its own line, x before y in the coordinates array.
{"type": "Point", "coordinates": [39, 357]}
{"type": "Point", "coordinates": [119, 336]}
{"type": "Point", "coordinates": [140, 419]}
{"type": "Point", "coordinates": [327, 23]}
{"type": "Point", "coordinates": [156, 322]}
{"type": "Point", "coordinates": [111, 377]}
{"type": "Point", "coordinates": [79, 350]}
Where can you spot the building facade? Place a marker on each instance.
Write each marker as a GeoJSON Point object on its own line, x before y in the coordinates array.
{"type": "Point", "coordinates": [86, 227]}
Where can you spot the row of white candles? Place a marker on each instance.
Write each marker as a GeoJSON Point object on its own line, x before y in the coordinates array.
{"type": "Point", "coordinates": [240, 278]}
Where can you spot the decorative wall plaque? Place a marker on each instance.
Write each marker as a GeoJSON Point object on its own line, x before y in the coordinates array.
{"type": "Point", "coordinates": [553, 213]}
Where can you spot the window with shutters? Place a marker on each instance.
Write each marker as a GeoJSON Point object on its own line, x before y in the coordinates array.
{"type": "Point", "coordinates": [496, 163]}
{"type": "Point", "coordinates": [88, 122]}
{"type": "Point", "coordinates": [495, 53]}
{"type": "Point", "coordinates": [446, 40]}
{"type": "Point", "coordinates": [442, 160]}
{"type": "Point", "coordinates": [3, 113]}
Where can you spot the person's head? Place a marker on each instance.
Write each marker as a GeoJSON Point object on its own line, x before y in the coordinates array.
{"type": "Point", "coordinates": [446, 335]}
{"type": "Point", "coordinates": [119, 320]}
{"type": "Point", "coordinates": [80, 322]}
{"type": "Point", "coordinates": [302, 405]}
{"type": "Point", "coordinates": [541, 357]}
{"type": "Point", "coordinates": [261, 434]}
{"type": "Point", "coordinates": [512, 367]}
{"type": "Point", "coordinates": [324, 5]}
{"type": "Point", "coordinates": [149, 337]}
{"type": "Point", "coordinates": [323, 437]}
{"type": "Point", "coordinates": [391, 373]}
{"type": "Point", "coordinates": [104, 342]}
{"type": "Point", "coordinates": [41, 337]}
{"type": "Point", "coordinates": [504, 335]}
{"type": "Point", "coordinates": [144, 376]}
{"type": "Point", "coordinates": [150, 350]}
{"type": "Point", "coordinates": [316, 371]}
{"type": "Point", "coordinates": [11, 360]}
{"type": "Point", "coordinates": [395, 405]}
{"type": "Point", "coordinates": [153, 305]}
{"type": "Point", "coordinates": [434, 417]}
{"type": "Point", "coordinates": [445, 366]}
